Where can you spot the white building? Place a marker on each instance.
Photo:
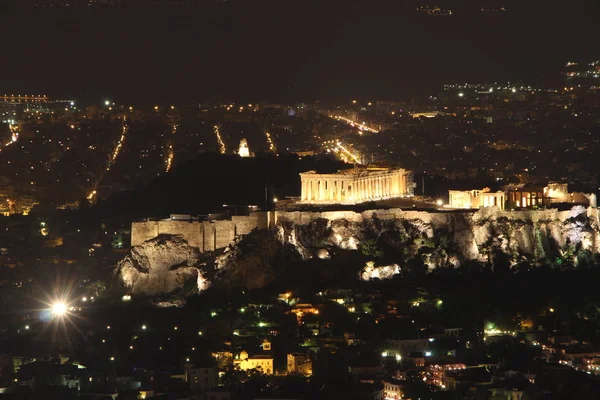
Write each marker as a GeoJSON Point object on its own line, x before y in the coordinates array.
{"type": "Point", "coordinates": [264, 362]}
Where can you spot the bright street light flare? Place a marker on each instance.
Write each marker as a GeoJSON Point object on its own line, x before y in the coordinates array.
{"type": "Point", "coordinates": [59, 309]}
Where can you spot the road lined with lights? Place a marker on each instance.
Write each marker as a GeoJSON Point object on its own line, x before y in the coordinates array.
{"type": "Point", "coordinates": [343, 152]}
{"type": "Point", "coordinates": [270, 142]}
{"type": "Point", "coordinates": [112, 159]}
{"type": "Point", "coordinates": [361, 127]}
{"type": "Point", "coordinates": [170, 151]}
{"type": "Point", "coordinates": [14, 132]}
{"type": "Point", "coordinates": [217, 130]}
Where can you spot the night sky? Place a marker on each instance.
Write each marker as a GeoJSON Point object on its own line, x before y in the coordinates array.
{"type": "Point", "coordinates": [286, 50]}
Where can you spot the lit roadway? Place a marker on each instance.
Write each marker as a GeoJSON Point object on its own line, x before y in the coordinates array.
{"type": "Point", "coordinates": [170, 151]}
{"type": "Point", "coordinates": [14, 132]}
{"type": "Point", "coordinates": [222, 148]}
{"type": "Point", "coordinates": [113, 157]}
{"type": "Point", "coordinates": [271, 142]}
{"type": "Point", "coordinates": [361, 127]}
{"type": "Point", "coordinates": [343, 152]}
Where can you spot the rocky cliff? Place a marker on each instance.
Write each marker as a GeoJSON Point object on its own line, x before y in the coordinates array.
{"type": "Point", "coordinates": [161, 265]}
{"type": "Point", "coordinates": [384, 241]}
{"type": "Point", "coordinates": [441, 239]}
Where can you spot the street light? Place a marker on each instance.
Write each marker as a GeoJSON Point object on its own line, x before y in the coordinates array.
{"type": "Point", "coordinates": [59, 309]}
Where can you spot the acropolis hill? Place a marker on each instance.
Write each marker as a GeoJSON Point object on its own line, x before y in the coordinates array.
{"type": "Point", "coordinates": [434, 238]}
{"type": "Point", "coordinates": [534, 232]}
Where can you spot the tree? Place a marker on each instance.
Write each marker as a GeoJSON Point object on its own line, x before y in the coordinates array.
{"type": "Point", "coordinates": [370, 249]}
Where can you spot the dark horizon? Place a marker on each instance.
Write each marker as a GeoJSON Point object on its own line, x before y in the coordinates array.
{"type": "Point", "coordinates": [284, 52]}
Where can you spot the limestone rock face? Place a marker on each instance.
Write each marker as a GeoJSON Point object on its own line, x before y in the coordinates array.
{"type": "Point", "coordinates": [447, 238]}
{"type": "Point", "coordinates": [249, 260]}
{"type": "Point", "coordinates": [372, 272]}
{"type": "Point", "coordinates": [161, 265]}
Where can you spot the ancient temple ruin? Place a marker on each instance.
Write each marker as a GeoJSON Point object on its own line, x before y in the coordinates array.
{"type": "Point", "coordinates": [357, 185]}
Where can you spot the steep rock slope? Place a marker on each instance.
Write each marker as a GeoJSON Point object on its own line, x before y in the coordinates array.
{"type": "Point", "coordinates": [447, 238]}
{"type": "Point", "coordinates": [161, 265]}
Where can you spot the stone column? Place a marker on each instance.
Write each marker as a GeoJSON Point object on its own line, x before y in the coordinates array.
{"type": "Point", "coordinates": [338, 190]}
{"type": "Point", "coordinates": [387, 187]}
{"type": "Point", "coordinates": [304, 192]}
{"type": "Point", "coordinates": [334, 187]}
{"type": "Point", "coordinates": [363, 189]}
{"type": "Point", "coordinates": [321, 190]}
{"type": "Point", "coordinates": [331, 190]}
{"type": "Point", "coordinates": [373, 188]}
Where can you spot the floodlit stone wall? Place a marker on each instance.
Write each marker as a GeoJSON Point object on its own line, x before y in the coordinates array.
{"type": "Point", "coordinates": [142, 231]}
{"type": "Point", "coordinates": [190, 230]}
{"type": "Point", "coordinates": [205, 235]}
{"type": "Point", "coordinates": [224, 233]}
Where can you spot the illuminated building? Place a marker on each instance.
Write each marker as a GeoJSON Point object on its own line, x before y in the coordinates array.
{"type": "Point", "coordinates": [392, 389]}
{"type": "Point", "coordinates": [15, 99]}
{"type": "Point", "coordinates": [298, 364]}
{"type": "Point", "coordinates": [519, 196]}
{"type": "Point", "coordinates": [264, 362]}
{"type": "Point", "coordinates": [356, 186]}
{"type": "Point", "coordinates": [476, 198]}
{"type": "Point", "coordinates": [244, 150]}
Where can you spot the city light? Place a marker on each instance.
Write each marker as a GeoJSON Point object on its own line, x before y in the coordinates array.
{"type": "Point", "coordinates": [59, 309]}
{"type": "Point", "coordinates": [217, 130]}
{"type": "Point", "coordinates": [270, 142]}
{"type": "Point", "coordinates": [361, 127]}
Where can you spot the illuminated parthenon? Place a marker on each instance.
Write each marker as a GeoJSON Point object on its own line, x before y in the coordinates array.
{"type": "Point", "coordinates": [355, 186]}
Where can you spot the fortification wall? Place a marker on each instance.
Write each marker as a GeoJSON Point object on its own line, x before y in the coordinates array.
{"type": "Point", "coordinates": [224, 233]}
{"type": "Point", "coordinates": [245, 224]}
{"type": "Point", "coordinates": [142, 231]}
{"type": "Point", "coordinates": [190, 230]}
{"type": "Point", "coordinates": [205, 235]}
